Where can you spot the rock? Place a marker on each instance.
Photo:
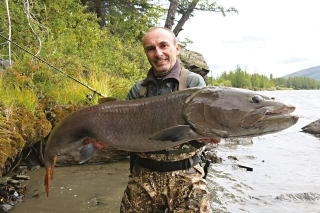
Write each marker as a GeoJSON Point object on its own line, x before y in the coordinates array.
{"type": "Point", "coordinates": [4, 180]}
{"type": "Point", "coordinates": [232, 157]}
{"type": "Point", "coordinates": [238, 141]}
{"type": "Point", "coordinates": [11, 192]}
{"type": "Point", "coordinates": [313, 128]}
{"type": "Point", "coordinates": [212, 156]}
{"type": "Point", "coordinates": [194, 62]}
{"type": "Point", "coordinates": [21, 177]}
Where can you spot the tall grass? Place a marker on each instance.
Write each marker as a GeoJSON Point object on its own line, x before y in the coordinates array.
{"type": "Point", "coordinates": [17, 95]}
{"type": "Point", "coordinates": [106, 85]}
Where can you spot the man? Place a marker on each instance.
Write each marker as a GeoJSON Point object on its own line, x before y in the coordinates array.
{"type": "Point", "coordinates": [168, 180]}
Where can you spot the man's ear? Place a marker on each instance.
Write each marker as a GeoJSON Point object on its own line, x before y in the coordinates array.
{"type": "Point", "coordinates": [178, 48]}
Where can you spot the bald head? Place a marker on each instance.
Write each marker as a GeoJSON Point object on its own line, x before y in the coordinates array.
{"type": "Point", "coordinates": [173, 36]}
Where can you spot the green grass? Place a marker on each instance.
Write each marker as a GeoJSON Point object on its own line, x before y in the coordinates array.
{"type": "Point", "coordinates": [14, 94]}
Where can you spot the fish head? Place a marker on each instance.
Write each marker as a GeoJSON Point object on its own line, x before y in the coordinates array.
{"type": "Point", "coordinates": [232, 112]}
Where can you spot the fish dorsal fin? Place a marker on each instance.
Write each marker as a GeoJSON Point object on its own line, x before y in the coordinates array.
{"type": "Point", "coordinates": [107, 99]}
{"type": "Point", "coordinates": [173, 134]}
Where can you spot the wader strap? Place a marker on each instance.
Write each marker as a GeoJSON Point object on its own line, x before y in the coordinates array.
{"type": "Point", "coordinates": [183, 79]}
{"type": "Point", "coordinates": [143, 92]}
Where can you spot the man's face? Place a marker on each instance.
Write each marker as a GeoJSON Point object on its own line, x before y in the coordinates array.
{"type": "Point", "coordinates": [161, 50]}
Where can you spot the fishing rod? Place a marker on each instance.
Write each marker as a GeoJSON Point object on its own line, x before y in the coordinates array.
{"type": "Point", "coordinates": [50, 65]}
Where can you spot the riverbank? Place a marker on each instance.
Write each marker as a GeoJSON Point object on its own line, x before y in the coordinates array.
{"type": "Point", "coordinates": [81, 188]}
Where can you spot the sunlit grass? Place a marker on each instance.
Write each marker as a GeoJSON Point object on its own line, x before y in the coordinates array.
{"type": "Point", "coordinates": [95, 86]}
{"type": "Point", "coordinates": [65, 90]}
{"type": "Point", "coordinates": [16, 95]}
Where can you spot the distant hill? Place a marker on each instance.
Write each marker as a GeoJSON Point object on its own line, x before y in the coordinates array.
{"type": "Point", "coordinates": [312, 72]}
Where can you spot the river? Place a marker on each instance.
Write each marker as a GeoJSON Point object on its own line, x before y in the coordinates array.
{"type": "Point", "coordinates": [285, 176]}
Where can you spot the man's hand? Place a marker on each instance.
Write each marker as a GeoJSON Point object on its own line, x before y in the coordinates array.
{"type": "Point", "coordinates": [209, 140]}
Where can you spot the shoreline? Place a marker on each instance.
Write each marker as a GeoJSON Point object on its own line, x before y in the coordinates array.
{"type": "Point", "coordinates": [80, 188]}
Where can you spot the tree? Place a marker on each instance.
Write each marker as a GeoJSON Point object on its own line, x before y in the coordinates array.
{"type": "Point", "coordinates": [171, 13]}
{"type": "Point", "coordinates": [125, 18]}
{"type": "Point", "coordinates": [98, 7]}
{"type": "Point", "coordinates": [186, 9]}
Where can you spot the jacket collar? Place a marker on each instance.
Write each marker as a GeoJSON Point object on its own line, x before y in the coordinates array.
{"type": "Point", "coordinates": [174, 74]}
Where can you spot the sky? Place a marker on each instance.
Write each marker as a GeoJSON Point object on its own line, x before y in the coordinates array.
{"type": "Point", "coordinates": [275, 37]}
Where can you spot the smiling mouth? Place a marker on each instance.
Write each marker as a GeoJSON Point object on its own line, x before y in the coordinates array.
{"type": "Point", "coordinates": [161, 62]}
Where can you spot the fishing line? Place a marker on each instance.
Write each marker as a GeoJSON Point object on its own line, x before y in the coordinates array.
{"type": "Point", "coordinates": [50, 65]}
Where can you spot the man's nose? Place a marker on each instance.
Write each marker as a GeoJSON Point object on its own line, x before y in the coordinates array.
{"type": "Point", "coordinates": [158, 51]}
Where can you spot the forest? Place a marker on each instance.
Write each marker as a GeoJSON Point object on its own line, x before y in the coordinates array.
{"type": "Point", "coordinates": [241, 79]}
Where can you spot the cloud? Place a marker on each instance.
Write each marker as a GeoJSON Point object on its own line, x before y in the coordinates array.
{"type": "Point", "coordinates": [267, 37]}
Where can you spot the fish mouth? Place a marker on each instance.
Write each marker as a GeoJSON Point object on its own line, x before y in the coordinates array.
{"type": "Point", "coordinates": [281, 111]}
{"type": "Point", "coordinates": [267, 113]}
{"type": "Point", "coordinates": [271, 124]}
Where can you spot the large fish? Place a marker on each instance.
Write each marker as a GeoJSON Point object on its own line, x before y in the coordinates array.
{"type": "Point", "coordinates": [165, 121]}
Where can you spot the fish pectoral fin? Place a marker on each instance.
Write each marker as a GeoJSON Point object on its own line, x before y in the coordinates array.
{"type": "Point", "coordinates": [87, 151]}
{"type": "Point", "coordinates": [173, 134]}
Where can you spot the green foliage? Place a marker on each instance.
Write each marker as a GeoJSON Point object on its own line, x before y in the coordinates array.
{"type": "Point", "coordinates": [184, 43]}
{"type": "Point", "coordinates": [129, 20]}
{"type": "Point", "coordinates": [108, 60]}
{"type": "Point", "coordinates": [17, 91]}
{"type": "Point", "coordinates": [298, 82]}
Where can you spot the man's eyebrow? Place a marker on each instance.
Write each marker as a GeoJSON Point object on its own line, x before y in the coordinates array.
{"type": "Point", "coordinates": [163, 42]}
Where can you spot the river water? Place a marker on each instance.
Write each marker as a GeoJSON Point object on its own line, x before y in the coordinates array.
{"type": "Point", "coordinates": [285, 176]}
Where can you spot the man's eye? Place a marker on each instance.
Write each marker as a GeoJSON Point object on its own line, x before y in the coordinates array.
{"type": "Point", "coordinates": [163, 46]}
{"type": "Point", "coordinates": [149, 49]}
{"type": "Point", "coordinates": [257, 99]}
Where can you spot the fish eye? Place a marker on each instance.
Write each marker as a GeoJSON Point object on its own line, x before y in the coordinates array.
{"type": "Point", "coordinates": [257, 99]}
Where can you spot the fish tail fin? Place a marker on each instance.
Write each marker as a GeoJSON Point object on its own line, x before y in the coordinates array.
{"type": "Point", "coordinates": [49, 175]}
{"type": "Point", "coordinates": [47, 179]}
{"type": "Point", "coordinates": [87, 151]}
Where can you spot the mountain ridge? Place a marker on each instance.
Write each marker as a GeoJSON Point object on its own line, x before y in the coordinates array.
{"type": "Point", "coordinates": [312, 72]}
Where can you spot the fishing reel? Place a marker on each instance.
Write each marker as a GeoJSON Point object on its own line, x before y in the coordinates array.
{"type": "Point", "coordinates": [90, 97]}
